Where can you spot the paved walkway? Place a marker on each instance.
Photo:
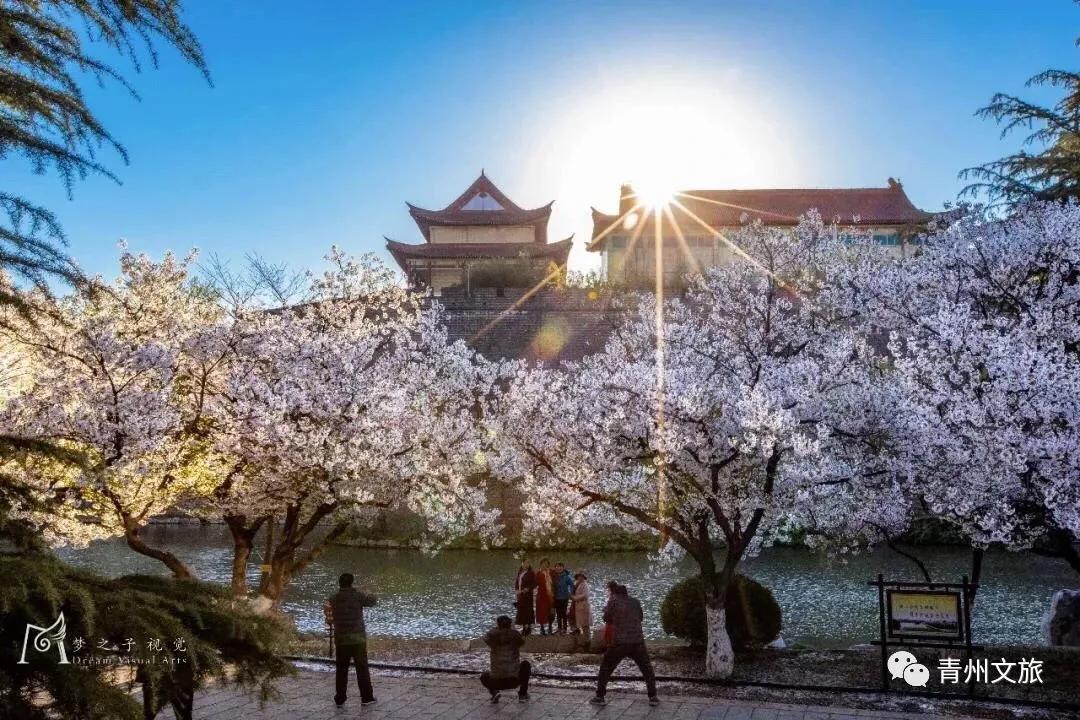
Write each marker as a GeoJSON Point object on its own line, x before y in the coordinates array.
{"type": "Point", "coordinates": [310, 696]}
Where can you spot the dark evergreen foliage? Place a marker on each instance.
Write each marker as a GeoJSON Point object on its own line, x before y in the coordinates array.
{"type": "Point", "coordinates": [216, 630]}
{"type": "Point", "coordinates": [753, 615]}
{"type": "Point", "coordinates": [45, 51]}
{"type": "Point", "coordinates": [1052, 171]}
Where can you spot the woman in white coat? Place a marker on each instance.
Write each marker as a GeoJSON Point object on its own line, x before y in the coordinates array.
{"type": "Point", "coordinates": [582, 611]}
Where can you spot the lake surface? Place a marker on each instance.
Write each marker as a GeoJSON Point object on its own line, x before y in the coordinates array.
{"type": "Point", "coordinates": [826, 601]}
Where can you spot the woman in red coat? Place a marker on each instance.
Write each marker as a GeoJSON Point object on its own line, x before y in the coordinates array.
{"type": "Point", "coordinates": [545, 596]}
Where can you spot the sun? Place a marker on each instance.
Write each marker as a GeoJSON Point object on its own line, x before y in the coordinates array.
{"type": "Point", "coordinates": [654, 190]}
{"type": "Point", "coordinates": [665, 130]}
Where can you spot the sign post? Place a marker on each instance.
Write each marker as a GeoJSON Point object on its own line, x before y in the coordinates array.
{"type": "Point", "coordinates": [926, 615]}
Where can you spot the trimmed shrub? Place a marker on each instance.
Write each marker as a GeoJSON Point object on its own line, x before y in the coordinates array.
{"type": "Point", "coordinates": [753, 615]}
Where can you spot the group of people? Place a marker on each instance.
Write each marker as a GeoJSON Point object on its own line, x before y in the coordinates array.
{"type": "Point", "coordinates": [623, 638]}
{"type": "Point", "coordinates": [552, 594]}
{"type": "Point", "coordinates": [623, 635]}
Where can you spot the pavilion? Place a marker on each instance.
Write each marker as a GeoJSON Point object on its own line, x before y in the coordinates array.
{"type": "Point", "coordinates": [481, 239]}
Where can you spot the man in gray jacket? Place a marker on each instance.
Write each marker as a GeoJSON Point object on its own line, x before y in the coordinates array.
{"type": "Point", "coordinates": [346, 616]}
{"type": "Point", "coordinates": [508, 670]}
{"type": "Point", "coordinates": [624, 613]}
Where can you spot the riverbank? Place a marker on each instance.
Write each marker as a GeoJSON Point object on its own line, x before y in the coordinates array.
{"type": "Point", "coordinates": [826, 601]}
{"type": "Point", "coordinates": [788, 675]}
{"type": "Point", "coordinates": [403, 531]}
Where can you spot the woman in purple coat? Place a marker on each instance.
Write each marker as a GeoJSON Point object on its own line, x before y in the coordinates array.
{"type": "Point", "coordinates": [524, 585]}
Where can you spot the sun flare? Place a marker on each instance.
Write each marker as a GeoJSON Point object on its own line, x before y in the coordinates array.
{"type": "Point", "coordinates": [653, 191]}
{"type": "Point", "coordinates": [663, 133]}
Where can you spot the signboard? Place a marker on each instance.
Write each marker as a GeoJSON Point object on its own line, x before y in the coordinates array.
{"type": "Point", "coordinates": [924, 614]}
{"type": "Point", "coordinates": [917, 614]}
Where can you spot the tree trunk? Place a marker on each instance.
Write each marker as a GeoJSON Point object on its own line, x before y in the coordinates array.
{"type": "Point", "coordinates": [277, 581]}
{"type": "Point", "coordinates": [719, 655]}
{"type": "Point", "coordinates": [264, 575]}
{"type": "Point", "coordinates": [273, 584]}
{"type": "Point", "coordinates": [241, 554]}
{"type": "Point", "coordinates": [976, 573]}
{"type": "Point", "coordinates": [1058, 543]}
{"type": "Point", "coordinates": [1063, 542]}
{"type": "Point", "coordinates": [243, 535]}
{"type": "Point", "coordinates": [283, 561]}
{"type": "Point", "coordinates": [134, 540]}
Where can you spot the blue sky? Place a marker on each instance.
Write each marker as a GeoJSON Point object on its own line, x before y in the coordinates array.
{"type": "Point", "coordinates": [325, 117]}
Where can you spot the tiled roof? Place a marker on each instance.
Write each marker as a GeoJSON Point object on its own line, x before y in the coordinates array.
{"type": "Point", "coordinates": [456, 214]}
{"type": "Point", "coordinates": [729, 208]}
{"type": "Point", "coordinates": [557, 251]}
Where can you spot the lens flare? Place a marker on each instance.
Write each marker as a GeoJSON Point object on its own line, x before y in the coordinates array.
{"type": "Point", "coordinates": [654, 192]}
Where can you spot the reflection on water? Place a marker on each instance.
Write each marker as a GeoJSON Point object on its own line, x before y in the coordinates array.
{"type": "Point", "coordinates": [826, 602]}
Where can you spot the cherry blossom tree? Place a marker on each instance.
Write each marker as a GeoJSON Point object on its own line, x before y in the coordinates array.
{"type": "Point", "coordinates": [165, 392]}
{"type": "Point", "coordinates": [347, 404]}
{"type": "Point", "coordinates": [985, 332]}
{"type": "Point", "coordinates": [723, 415]}
{"type": "Point", "coordinates": [110, 370]}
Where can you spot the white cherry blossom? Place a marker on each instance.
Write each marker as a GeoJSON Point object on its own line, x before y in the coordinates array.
{"type": "Point", "coordinates": [731, 425]}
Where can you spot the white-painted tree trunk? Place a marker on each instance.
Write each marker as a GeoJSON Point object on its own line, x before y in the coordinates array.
{"type": "Point", "coordinates": [719, 657]}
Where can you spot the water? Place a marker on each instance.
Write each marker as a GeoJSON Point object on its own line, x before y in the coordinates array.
{"type": "Point", "coordinates": [826, 601]}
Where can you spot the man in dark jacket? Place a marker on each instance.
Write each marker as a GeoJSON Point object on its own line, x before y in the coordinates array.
{"type": "Point", "coordinates": [564, 588]}
{"type": "Point", "coordinates": [624, 613]}
{"type": "Point", "coordinates": [507, 669]}
{"type": "Point", "coordinates": [346, 615]}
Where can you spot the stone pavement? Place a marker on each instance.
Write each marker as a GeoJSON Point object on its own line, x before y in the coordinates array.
{"type": "Point", "coordinates": [310, 696]}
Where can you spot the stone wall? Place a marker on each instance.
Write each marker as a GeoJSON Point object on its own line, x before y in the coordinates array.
{"type": "Point", "coordinates": [551, 325]}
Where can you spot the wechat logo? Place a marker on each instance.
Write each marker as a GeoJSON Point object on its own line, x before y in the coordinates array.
{"type": "Point", "coordinates": [903, 664]}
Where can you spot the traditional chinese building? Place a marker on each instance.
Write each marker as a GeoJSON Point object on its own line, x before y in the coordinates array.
{"type": "Point", "coordinates": [481, 239]}
{"type": "Point", "coordinates": [627, 242]}
{"type": "Point", "coordinates": [483, 228]}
